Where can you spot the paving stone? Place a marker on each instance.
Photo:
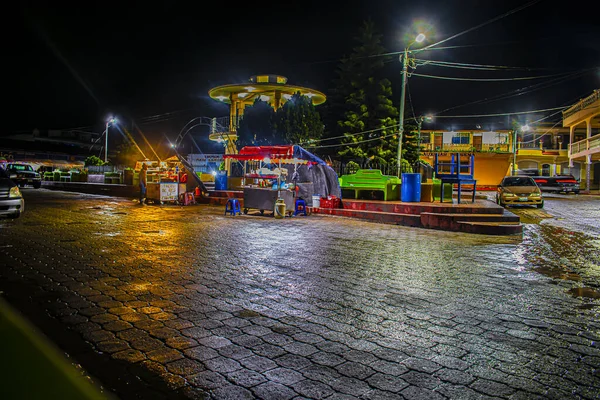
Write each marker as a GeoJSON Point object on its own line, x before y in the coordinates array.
{"type": "Point", "coordinates": [232, 393]}
{"type": "Point", "coordinates": [302, 349]}
{"type": "Point", "coordinates": [112, 346]}
{"type": "Point", "coordinates": [185, 366]}
{"type": "Point", "coordinates": [491, 388]}
{"type": "Point", "coordinates": [417, 393]}
{"type": "Point", "coordinates": [350, 386]}
{"type": "Point", "coordinates": [388, 383]}
{"type": "Point", "coordinates": [235, 352]}
{"type": "Point", "coordinates": [214, 342]}
{"type": "Point", "coordinates": [181, 342]}
{"type": "Point", "coordinates": [273, 391]}
{"type": "Point", "coordinates": [164, 355]}
{"type": "Point", "coordinates": [246, 377]}
{"type": "Point", "coordinates": [421, 380]}
{"type": "Point", "coordinates": [389, 368]}
{"type": "Point", "coordinates": [355, 370]}
{"type": "Point", "coordinates": [454, 376]}
{"type": "Point", "coordinates": [293, 361]}
{"type": "Point", "coordinates": [422, 365]}
{"type": "Point", "coordinates": [258, 363]}
{"type": "Point", "coordinates": [201, 353]}
{"type": "Point", "coordinates": [313, 389]}
{"type": "Point", "coordinates": [130, 355]}
{"type": "Point", "coordinates": [268, 350]}
{"type": "Point", "coordinates": [208, 380]}
{"type": "Point", "coordinates": [222, 364]}
{"type": "Point", "coordinates": [285, 376]}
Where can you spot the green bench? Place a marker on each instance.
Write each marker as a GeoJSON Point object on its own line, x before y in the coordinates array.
{"type": "Point", "coordinates": [371, 180]}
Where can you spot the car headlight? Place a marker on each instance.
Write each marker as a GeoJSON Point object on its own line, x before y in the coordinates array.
{"type": "Point", "coordinates": [508, 194]}
{"type": "Point", "coordinates": [14, 192]}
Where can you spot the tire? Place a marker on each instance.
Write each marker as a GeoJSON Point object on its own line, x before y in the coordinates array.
{"type": "Point", "coordinates": [37, 185]}
{"type": "Point", "coordinates": [540, 205]}
{"type": "Point", "coordinates": [14, 215]}
{"type": "Point", "coordinates": [245, 211]}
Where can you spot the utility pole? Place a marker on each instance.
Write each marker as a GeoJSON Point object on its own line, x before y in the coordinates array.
{"type": "Point", "coordinates": [401, 112]}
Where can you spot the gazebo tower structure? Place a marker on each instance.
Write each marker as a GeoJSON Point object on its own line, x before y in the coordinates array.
{"type": "Point", "coordinates": [272, 89]}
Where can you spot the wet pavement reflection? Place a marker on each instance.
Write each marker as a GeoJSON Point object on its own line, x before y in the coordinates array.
{"type": "Point", "coordinates": [215, 306]}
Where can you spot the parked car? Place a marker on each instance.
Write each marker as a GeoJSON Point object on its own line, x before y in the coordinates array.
{"type": "Point", "coordinates": [23, 174]}
{"type": "Point", "coordinates": [519, 190]}
{"type": "Point", "coordinates": [557, 184]}
{"type": "Point", "coordinates": [11, 200]}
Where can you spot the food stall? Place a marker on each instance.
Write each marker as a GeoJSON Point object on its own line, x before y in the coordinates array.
{"type": "Point", "coordinates": [282, 172]}
{"type": "Point", "coordinates": [164, 181]}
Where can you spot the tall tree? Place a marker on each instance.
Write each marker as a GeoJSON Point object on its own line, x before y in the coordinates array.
{"type": "Point", "coordinates": [256, 128]}
{"type": "Point", "coordinates": [369, 116]}
{"type": "Point", "coordinates": [298, 121]}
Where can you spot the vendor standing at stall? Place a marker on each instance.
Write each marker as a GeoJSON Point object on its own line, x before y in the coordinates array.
{"type": "Point", "coordinates": [143, 182]}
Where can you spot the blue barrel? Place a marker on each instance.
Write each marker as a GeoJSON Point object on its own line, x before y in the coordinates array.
{"type": "Point", "coordinates": [411, 187]}
{"type": "Point", "coordinates": [221, 180]}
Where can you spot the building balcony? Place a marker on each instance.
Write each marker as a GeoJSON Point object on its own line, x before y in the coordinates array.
{"type": "Point", "coordinates": [467, 148]}
{"type": "Point", "coordinates": [588, 146]}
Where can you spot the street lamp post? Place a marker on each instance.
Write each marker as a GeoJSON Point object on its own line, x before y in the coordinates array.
{"type": "Point", "coordinates": [420, 37]}
{"type": "Point", "coordinates": [110, 121]}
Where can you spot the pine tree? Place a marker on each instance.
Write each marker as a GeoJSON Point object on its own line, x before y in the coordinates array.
{"type": "Point", "coordinates": [256, 127]}
{"type": "Point", "coordinates": [367, 104]}
{"type": "Point", "coordinates": [298, 122]}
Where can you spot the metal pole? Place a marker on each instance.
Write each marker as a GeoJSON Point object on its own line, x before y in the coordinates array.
{"type": "Point", "coordinates": [401, 113]}
{"type": "Point", "coordinates": [514, 166]}
{"type": "Point", "coordinates": [106, 143]}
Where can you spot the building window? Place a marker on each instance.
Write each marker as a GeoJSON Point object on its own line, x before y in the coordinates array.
{"type": "Point", "coordinates": [460, 138]}
{"type": "Point", "coordinates": [262, 79]}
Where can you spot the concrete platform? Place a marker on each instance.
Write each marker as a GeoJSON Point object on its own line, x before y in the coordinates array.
{"type": "Point", "coordinates": [481, 217]}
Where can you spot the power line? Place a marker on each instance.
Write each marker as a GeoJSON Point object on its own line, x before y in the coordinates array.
{"type": "Point", "coordinates": [519, 92]}
{"type": "Point", "coordinates": [502, 114]}
{"type": "Point", "coordinates": [485, 67]}
{"type": "Point", "coordinates": [449, 78]}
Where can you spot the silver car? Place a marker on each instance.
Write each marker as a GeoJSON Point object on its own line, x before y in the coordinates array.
{"type": "Point", "coordinates": [11, 199]}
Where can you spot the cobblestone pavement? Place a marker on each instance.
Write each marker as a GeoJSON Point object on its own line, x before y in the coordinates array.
{"type": "Point", "coordinates": [184, 302]}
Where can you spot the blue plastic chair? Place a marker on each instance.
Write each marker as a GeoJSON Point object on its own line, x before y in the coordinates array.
{"type": "Point", "coordinates": [233, 207]}
{"type": "Point", "coordinates": [300, 207]}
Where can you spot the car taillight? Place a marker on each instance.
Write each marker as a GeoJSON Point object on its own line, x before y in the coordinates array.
{"type": "Point", "coordinates": [14, 192]}
{"type": "Point", "coordinates": [541, 181]}
{"type": "Point", "coordinates": [566, 181]}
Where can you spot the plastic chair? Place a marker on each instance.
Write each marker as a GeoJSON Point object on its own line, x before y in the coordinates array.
{"type": "Point", "coordinates": [233, 207]}
{"type": "Point", "coordinates": [300, 207]}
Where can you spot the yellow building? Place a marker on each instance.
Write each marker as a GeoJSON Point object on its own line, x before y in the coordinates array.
{"type": "Point", "coordinates": [570, 149]}
{"type": "Point", "coordinates": [493, 151]}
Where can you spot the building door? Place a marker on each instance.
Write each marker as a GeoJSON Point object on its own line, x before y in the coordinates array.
{"type": "Point", "coordinates": [438, 141]}
{"type": "Point", "coordinates": [477, 140]}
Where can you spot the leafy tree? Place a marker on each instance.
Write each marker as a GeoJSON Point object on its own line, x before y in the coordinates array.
{"type": "Point", "coordinates": [298, 121]}
{"type": "Point", "coordinates": [127, 154]}
{"type": "Point", "coordinates": [367, 104]}
{"type": "Point", "coordinates": [93, 160]}
{"type": "Point", "coordinates": [256, 128]}
{"type": "Point", "coordinates": [410, 144]}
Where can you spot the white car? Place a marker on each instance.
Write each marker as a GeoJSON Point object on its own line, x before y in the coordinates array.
{"type": "Point", "coordinates": [11, 199]}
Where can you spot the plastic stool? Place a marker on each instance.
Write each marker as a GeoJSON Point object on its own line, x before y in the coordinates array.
{"type": "Point", "coordinates": [300, 207]}
{"type": "Point", "coordinates": [233, 207]}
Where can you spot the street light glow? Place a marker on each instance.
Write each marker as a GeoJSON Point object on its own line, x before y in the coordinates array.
{"type": "Point", "coordinates": [420, 37]}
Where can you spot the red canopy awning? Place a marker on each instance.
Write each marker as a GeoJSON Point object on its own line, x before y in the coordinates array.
{"type": "Point", "coordinates": [259, 153]}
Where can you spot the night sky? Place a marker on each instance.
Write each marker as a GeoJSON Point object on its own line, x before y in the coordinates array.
{"type": "Point", "coordinates": [76, 63]}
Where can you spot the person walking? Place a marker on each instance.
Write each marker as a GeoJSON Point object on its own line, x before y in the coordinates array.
{"type": "Point", "coordinates": [143, 182]}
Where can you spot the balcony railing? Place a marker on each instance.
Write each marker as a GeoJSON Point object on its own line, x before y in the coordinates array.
{"type": "Point", "coordinates": [582, 104]}
{"type": "Point", "coordinates": [592, 143]}
{"type": "Point", "coordinates": [468, 148]}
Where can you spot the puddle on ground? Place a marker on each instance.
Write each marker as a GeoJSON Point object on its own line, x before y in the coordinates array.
{"type": "Point", "coordinates": [585, 292]}
{"type": "Point", "coordinates": [558, 273]}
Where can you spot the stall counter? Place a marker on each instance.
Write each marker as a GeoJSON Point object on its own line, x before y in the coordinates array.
{"type": "Point", "coordinates": [264, 199]}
